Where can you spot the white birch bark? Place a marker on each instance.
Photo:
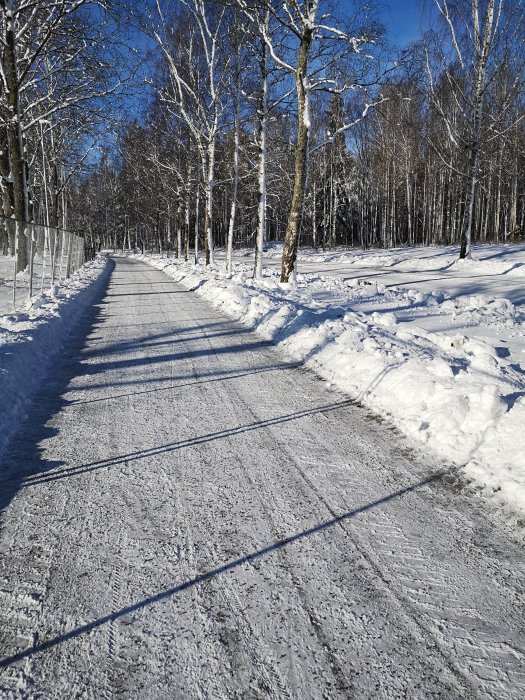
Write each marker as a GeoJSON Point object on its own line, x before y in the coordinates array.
{"type": "Point", "coordinates": [235, 184]}
{"type": "Point", "coordinates": [263, 130]}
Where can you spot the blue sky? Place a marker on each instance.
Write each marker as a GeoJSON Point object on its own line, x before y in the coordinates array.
{"type": "Point", "coordinates": [403, 19]}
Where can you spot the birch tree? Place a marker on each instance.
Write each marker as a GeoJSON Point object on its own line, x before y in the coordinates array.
{"type": "Point", "coordinates": [198, 64]}
{"type": "Point", "coordinates": [315, 46]}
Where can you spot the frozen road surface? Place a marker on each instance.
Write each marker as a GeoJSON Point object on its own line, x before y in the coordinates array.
{"type": "Point", "coordinates": [188, 515]}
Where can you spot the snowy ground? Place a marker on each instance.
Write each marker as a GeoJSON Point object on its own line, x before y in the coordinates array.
{"type": "Point", "coordinates": [7, 265]}
{"type": "Point", "coordinates": [188, 514]}
{"type": "Point", "coordinates": [434, 344]}
{"type": "Point", "coordinates": [31, 339]}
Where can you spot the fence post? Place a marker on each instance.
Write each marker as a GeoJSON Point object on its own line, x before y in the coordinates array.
{"type": "Point", "coordinates": [17, 225]}
{"type": "Point", "coordinates": [77, 255]}
{"type": "Point", "coordinates": [30, 231]}
{"type": "Point", "coordinates": [69, 251]}
{"type": "Point", "coordinates": [74, 254]}
{"type": "Point", "coordinates": [64, 241]}
{"type": "Point", "coordinates": [46, 237]}
{"type": "Point", "coordinates": [54, 239]}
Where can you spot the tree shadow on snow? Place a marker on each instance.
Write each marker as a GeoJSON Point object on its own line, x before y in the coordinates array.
{"type": "Point", "coordinates": [24, 454]}
{"type": "Point", "coordinates": [38, 478]}
{"type": "Point", "coordinates": [179, 383]}
{"type": "Point", "coordinates": [218, 571]}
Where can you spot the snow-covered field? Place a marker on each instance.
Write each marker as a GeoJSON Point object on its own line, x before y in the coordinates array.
{"type": "Point", "coordinates": [434, 344]}
{"type": "Point", "coordinates": [31, 339]}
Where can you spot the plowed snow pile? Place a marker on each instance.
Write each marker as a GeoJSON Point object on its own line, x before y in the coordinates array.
{"type": "Point", "coordinates": [449, 371]}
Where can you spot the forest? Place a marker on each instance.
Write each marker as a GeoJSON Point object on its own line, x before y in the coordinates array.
{"type": "Point", "coordinates": [185, 125]}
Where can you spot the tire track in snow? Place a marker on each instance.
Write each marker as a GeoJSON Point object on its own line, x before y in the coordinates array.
{"type": "Point", "coordinates": [493, 671]}
{"type": "Point", "coordinates": [342, 683]}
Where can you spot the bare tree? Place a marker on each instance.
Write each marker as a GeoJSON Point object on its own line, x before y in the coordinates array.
{"type": "Point", "coordinates": [314, 49]}
{"type": "Point", "coordinates": [198, 64]}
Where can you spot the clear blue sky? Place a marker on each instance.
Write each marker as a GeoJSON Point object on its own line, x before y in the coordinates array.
{"type": "Point", "coordinates": [403, 20]}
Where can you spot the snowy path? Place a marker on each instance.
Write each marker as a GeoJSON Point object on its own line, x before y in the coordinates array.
{"type": "Point", "coordinates": [186, 515]}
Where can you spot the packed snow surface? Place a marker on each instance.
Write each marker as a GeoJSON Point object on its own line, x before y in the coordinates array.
{"type": "Point", "coordinates": [442, 355]}
{"type": "Point", "coordinates": [187, 513]}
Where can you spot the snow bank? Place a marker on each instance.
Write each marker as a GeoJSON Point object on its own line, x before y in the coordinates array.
{"type": "Point", "coordinates": [31, 338]}
{"type": "Point", "coordinates": [451, 392]}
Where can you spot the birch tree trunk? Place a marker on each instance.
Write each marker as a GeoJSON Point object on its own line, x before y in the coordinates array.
{"type": "Point", "coordinates": [7, 192]}
{"type": "Point", "coordinates": [14, 132]}
{"type": "Point", "coordinates": [301, 159]}
{"type": "Point", "coordinates": [197, 213]}
{"type": "Point", "coordinates": [235, 167]}
{"type": "Point", "coordinates": [187, 225]}
{"type": "Point", "coordinates": [482, 46]}
{"type": "Point", "coordinates": [178, 224]}
{"type": "Point", "coordinates": [263, 129]}
{"type": "Point", "coordinates": [208, 219]}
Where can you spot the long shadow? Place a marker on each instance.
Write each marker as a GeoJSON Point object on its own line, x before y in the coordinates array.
{"type": "Point", "coordinates": [150, 284]}
{"type": "Point", "coordinates": [147, 324]}
{"type": "Point", "coordinates": [160, 293]}
{"type": "Point", "coordinates": [213, 573]}
{"type": "Point", "coordinates": [148, 360]}
{"type": "Point", "coordinates": [510, 252]}
{"type": "Point", "coordinates": [180, 444]}
{"type": "Point", "coordinates": [23, 449]}
{"type": "Point", "coordinates": [145, 381]}
{"type": "Point", "coordinates": [484, 286]}
{"type": "Point", "coordinates": [205, 378]}
{"type": "Point", "coordinates": [180, 330]}
{"type": "Point", "coordinates": [147, 304]}
{"type": "Point", "coordinates": [160, 339]}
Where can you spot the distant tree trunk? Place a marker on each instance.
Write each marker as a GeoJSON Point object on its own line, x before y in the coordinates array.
{"type": "Point", "coordinates": [513, 215]}
{"type": "Point", "coordinates": [178, 230]}
{"type": "Point", "coordinates": [233, 208]}
{"type": "Point", "coordinates": [8, 235]}
{"type": "Point", "coordinates": [482, 46]}
{"type": "Point", "coordinates": [197, 213]}
{"type": "Point", "coordinates": [168, 229]}
{"type": "Point", "coordinates": [208, 218]}
{"type": "Point", "coordinates": [314, 222]}
{"type": "Point", "coordinates": [187, 230]}
{"type": "Point", "coordinates": [55, 197]}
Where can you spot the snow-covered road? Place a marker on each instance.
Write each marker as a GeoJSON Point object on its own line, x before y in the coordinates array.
{"type": "Point", "coordinates": [188, 515]}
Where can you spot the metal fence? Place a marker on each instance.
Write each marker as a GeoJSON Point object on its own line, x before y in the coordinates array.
{"type": "Point", "coordinates": [51, 256]}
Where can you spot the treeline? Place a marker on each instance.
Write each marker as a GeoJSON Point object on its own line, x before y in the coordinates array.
{"type": "Point", "coordinates": [268, 121]}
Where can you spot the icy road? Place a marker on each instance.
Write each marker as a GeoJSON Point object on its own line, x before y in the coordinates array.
{"type": "Point", "coordinates": [188, 515]}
